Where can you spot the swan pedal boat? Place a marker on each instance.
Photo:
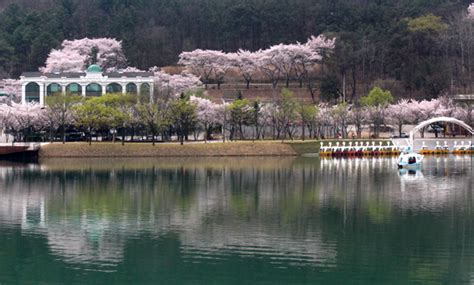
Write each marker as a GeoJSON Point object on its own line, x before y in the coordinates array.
{"type": "Point", "coordinates": [409, 160]}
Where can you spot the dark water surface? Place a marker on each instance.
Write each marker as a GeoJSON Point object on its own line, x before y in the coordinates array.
{"type": "Point", "coordinates": [236, 221]}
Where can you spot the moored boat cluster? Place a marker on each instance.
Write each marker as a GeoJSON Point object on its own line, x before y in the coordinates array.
{"type": "Point", "coordinates": [358, 149]}
{"type": "Point", "coordinates": [461, 148]}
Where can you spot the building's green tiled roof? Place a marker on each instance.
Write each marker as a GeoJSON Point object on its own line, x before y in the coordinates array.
{"type": "Point", "coordinates": [94, 68]}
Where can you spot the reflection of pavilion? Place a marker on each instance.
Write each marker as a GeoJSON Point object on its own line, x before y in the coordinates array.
{"type": "Point", "coordinates": [36, 85]}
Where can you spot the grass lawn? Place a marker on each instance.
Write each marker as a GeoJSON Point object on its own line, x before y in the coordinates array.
{"type": "Point", "coordinates": [189, 149]}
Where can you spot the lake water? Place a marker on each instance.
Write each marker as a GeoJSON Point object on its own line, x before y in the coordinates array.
{"type": "Point", "coordinates": [237, 221]}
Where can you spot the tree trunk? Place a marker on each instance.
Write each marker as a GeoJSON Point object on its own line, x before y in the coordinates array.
{"type": "Point", "coordinates": [63, 133]}
{"type": "Point", "coordinates": [303, 137]}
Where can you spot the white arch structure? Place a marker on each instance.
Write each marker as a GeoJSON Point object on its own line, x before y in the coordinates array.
{"type": "Point", "coordinates": [436, 120]}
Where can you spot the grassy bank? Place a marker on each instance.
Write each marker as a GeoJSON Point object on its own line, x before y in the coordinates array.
{"type": "Point", "coordinates": [266, 148]}
{"type": "Point", "coordinates": [247, 148]}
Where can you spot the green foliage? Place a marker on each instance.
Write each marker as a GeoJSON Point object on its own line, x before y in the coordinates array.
{"type": "Point", "coordinates": [183, 116]}
{"type": "Point", "coordinates": [155, 116]}
{"type": "Point", "coordinates": [92, 115]}
{"type": "Point", "coordinates": [377, 97]}
{"type": "Point", "coordinates": [240, 116]}
{"type": "Point", "coordinates": [288, 105]}
{"type": "Point", "coordinates": [199, 92]}
{"type": "Point", "coordinates": [427, 23]}
{"type": "Point", "coordinates": [109, 111]}
{"type": "Point", "coordinates": [119, 106]}
{"type": "Point", "coordinates": [59, 108]}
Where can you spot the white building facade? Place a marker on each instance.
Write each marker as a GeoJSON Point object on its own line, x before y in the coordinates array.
{"type": "Point", "coordinates": [36, 86]}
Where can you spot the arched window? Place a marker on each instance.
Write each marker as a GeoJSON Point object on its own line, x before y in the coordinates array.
{"type": "Point", "coordinates": [145, 90]}
{"type": "Point", "coordinates": [93, 90]}
{"type": "Point", "coordinates": [32, 92]}
{"type": "Point", "coordinates": [74, 88]}
{"type": "Point", "coordinates": [53, 89]}
{"type": "Point", "coordinates": [132, 88]}
{"type": "Point", "coordinates": [114, 88]}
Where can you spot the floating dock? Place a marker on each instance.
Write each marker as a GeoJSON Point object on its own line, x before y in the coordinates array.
{"type": "Point", "coordinates": [18, 150]}
{"type": "Point", "coordinates": [361, 149]}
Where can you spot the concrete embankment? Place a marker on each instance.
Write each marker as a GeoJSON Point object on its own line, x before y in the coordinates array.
{"type": "Point", "coordinates": [167, 149]}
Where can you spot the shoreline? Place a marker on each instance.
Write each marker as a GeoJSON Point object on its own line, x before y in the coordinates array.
{"type": "Point", "coordinates": [190, 149]}
{"type": "Point", "coordinates": [229, 149]}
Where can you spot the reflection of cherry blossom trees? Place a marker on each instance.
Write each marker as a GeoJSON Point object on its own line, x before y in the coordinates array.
{"type": "Point", "coordinates": [75, 55]}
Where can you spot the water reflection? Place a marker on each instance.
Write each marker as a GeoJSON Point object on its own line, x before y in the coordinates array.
{"type": "Point", "coordinates": [289, 212]}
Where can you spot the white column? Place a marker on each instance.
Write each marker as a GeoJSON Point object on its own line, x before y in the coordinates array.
{"type": "Point", "coordinates": [104, 89]}
{"type": "Point", "coordinates": [138, 89]}
{"type": "Point", "coordinates": [124, 88]}
{"type": "Point", "coordinates": [41, 94]}
{"type": "Point", "coordinates": [23, 93]}
{"type": "Point", "coordinates": [152, 90]}
{"type": "Point", "coordinates": [63, 89]}
{"type": "Point", "coordinates": [83, 90]}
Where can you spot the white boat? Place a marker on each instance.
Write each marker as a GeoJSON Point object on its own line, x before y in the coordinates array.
{"type": "Point", "coordinates": [409, 159]}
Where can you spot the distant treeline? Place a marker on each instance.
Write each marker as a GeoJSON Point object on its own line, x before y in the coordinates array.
{"type": "Point", "coordinates": [423, 48]}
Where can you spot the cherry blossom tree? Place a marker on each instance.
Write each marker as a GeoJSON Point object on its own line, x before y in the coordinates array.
{"type": "Point", "coordinates": [269, 66]}
{"type": "Point", "coordinates": [358, 116]}
{"type": "Point", "coordinates": [76, 55]}
{"type": "Point", "coordinates": [207, 114]}
{"type": "Point", "coordinates": [446, 107]}
{"type": "Point", "coordinates": [265, 118]}
{"type": "Point", "coordinates": [223, 62]}
{"type": "Point", "coordinates": [470, 12]}
{"type": "Point", "coordinates": [200, 62]}
{"type": "Point", "coordinates": [326, 121]}
{"type": "Point", "coordinates": [304, 59]}
{"type": "Point", "coordinates": [340, 115]}
{"type": "Point", "coordinates": [247, 63]}
{"type": "Point", "coordinates": [172, 86]}
{"type": "Point", "coordinates": [321, 48]}
{"type": "Point", "coordinates": [20, 120]}
{"type": "Point", "coordinates": [12, 88]}
{"type": "Point", "coordinates": [400, 114]}
{"type": "Point", "coordinates": [281, 58]}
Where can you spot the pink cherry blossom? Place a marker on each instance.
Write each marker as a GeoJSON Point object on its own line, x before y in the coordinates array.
{"type": "Point", "coordinates": [74, 55]}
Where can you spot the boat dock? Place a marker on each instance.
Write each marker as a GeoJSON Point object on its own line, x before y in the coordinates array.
{"type": "Point", "coordinates": [396, 146]}
{"type": "Point", "coordinates": [9, 149]}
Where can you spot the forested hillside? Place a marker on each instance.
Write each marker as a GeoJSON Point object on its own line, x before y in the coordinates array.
{"type": "Point", "coordinates": [422, 47]}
